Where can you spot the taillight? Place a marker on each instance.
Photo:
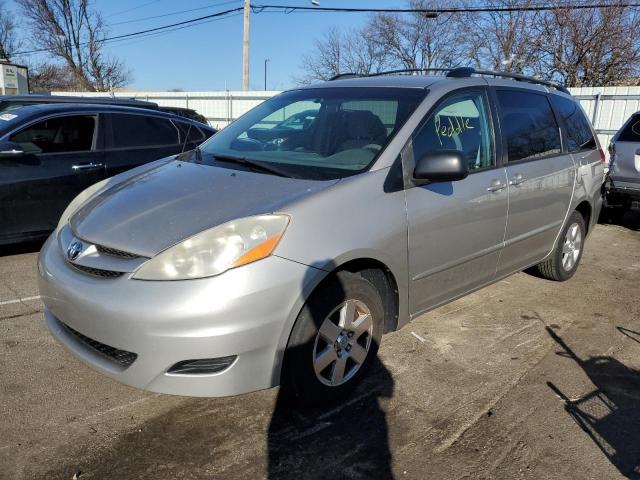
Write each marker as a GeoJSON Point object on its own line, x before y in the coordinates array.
{"type": "Point", "coordinates": [602, 156]}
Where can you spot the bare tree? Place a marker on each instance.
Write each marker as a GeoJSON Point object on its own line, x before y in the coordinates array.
{"type": "Point", "coordinates": [47, 77]}
{"type": "Point", "coordinates": [505, 41]}
{"type": "Point", "coordinates": [591, 47]}
{"type": "Point", "coordinates": [389, 40]}
{"type": "Point", "coordinates": [417, 41]}
{"type": "Point", "coordinates": [338, 52]}
{"type": "Point", "coordinates": [9, 41]}
{"type": "Point", "coordinates": [73, 33]}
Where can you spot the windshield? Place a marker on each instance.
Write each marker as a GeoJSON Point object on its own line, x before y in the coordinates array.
{"type": "Point", "coordinates": [317, 133]}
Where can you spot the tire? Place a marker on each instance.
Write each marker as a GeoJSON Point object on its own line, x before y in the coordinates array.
{"type": "Point", "coordinates": [305, 375]}
{"type": "Point", "coordinates": [565, 258]}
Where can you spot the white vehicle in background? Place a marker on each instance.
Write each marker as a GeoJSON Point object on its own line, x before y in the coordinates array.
{"type": "Point", "coordinates": [622, 186]}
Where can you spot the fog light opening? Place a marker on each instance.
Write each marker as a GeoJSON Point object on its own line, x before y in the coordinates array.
{"type": "Point", "coordinates": [203, 366]}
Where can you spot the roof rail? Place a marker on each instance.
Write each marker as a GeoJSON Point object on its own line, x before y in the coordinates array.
{"type": "Point", "coordinates": [459, 72]}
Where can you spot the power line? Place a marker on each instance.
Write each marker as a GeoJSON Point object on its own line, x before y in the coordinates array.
{"type": "Point", "coordinates": [141, 19]}
{"type": "Point", "coordinates": [292, 8]}
{"type": "Point", "coordinates": [138, 38]}
{"type": "Point", "coordinates": [141, 32]}
{"type": "Point", "coordinates": [436, 11]}
{"type": "Point", "coordinates": [146, 4]}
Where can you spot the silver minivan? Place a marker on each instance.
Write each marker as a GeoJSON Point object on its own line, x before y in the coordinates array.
{"type": "Point", "coordinates": [623, 180]}
{"type": "Point", "coordinates": [280, 252]}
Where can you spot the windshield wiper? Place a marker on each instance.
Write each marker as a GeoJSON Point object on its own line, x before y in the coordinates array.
{"type": "Point", "coordinates": [253, 164]}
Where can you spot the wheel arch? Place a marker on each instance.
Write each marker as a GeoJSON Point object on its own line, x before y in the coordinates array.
{"type": "Point", "coordinates": [373, 269]}
{"type": "Point", "coordinates": [584, 209]}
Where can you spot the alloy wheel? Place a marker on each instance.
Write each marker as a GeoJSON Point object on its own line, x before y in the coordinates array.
{"type": "Point", "coordinates": [571, 247]}
{"type": "Point", "coordinates": [342, 343]}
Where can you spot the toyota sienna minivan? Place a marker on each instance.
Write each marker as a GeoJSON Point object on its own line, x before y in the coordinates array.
{"type": "Point", "coordinates": [275, 255]}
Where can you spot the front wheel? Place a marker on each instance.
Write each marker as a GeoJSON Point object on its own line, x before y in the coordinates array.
{"type": "Point", "coordinates": [564, 260]}
{"type": "Point", "coordinates": [334, 339]}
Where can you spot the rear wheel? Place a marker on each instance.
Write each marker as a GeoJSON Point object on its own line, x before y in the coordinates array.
{"type": "Point", "coordinates": [334, 339]}
{"type": "Point", "coordinates": [564, 260]}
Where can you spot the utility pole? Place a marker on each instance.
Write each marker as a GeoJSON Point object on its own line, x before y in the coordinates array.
{"type": "Point", "coordinates": [245, 46]}
{"type": "Point", "coordinates": [265, 73]}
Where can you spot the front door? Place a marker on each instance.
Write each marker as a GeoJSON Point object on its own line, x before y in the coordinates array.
{"type": "Point", "coordinates": [60, 160]}
{"type": "Point", "coordinates": [541, 177]}
{"type": "Point", "coordinates": [456, 229]}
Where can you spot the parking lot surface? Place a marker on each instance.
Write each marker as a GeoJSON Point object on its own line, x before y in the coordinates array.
{"type": "Point", "coordinates": [524, 379]}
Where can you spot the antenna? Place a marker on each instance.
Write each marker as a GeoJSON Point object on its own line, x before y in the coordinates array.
{"type": "Point", "coordinates": [186, 137]}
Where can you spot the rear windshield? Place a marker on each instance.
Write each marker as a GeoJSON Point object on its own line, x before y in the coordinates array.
{"type": "Point", "coordinates": [631, 132]}
{"type": "Point", "coordinates": [317, 133]}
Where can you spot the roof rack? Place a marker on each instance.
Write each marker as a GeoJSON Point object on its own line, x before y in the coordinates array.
{"type": "Point", "coordinates": [459, 72]}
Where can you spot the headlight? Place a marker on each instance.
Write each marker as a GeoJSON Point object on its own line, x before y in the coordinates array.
{"type": "Point", "coordinates": [218, 249]}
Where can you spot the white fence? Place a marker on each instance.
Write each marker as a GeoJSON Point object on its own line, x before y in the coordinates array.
{"type": "Point", "coordinates": [607, 107]}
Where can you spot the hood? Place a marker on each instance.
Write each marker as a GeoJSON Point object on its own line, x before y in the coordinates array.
{"type": "Point", "coordinates": [157, 208]}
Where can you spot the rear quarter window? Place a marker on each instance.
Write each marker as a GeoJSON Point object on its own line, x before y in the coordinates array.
{"type": "Point", "coordinates": [528, 125]}
{"type": "Point", "coordinates": [130, 131]}
{"type": "Point", "coordinates": [631, 132]}
{"type": "Point", "coordinates": [578, 130]}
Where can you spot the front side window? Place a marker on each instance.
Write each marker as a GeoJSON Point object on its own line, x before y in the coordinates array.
{"type": "Point", "coordinates": [318, 133]}
{"type": "Point", "coordinates": [131, 131]}
{"type": "Point", "coordinates": [631, 132]}
{"type": "Point", "coordinates": [459, 123]}
{"type": "Point", "coordinates": [579, 135]}
{"type": "Point", "coordinates": [528, 125]}
{"type": "Point", "coordinates": [57, 135]}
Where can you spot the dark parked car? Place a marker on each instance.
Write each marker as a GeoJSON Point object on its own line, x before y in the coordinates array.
{"type": "Point", "coordinates": [49, 153]}
{"type": "Point", "coordinates": [10, 102]}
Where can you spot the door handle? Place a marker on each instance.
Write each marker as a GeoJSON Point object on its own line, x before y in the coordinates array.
{"type": "Point", "coordinates": [518, 179]}
{"type": "Point", "coordinates": [496, 186]}
{"type": "Point", "coordinates": [87, 166]}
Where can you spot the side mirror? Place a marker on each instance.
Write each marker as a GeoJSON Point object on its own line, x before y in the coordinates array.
{"type": "Point", "coordinates": [10, 149]}
{"type": "Point", "coordinates": [442, 166]}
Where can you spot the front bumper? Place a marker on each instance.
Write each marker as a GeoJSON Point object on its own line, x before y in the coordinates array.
{"type": "Point", "coordinates": [246, 312]}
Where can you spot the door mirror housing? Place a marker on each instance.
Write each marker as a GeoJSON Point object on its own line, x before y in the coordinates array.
{"type": "Point", "coordinates": [10, 149]}
{"type": "Point", "coordinates": [442, 166]}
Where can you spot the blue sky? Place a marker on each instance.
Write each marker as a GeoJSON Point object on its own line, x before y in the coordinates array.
{"type": "Point", "coordinates": [209, 56]}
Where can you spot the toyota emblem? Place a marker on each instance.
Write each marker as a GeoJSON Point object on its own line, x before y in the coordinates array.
{"type": "Point", "coordinates": [74, 250]}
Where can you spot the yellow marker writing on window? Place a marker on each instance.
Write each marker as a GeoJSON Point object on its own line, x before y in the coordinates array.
{"type": "Point", "coordinates": [452, 127]}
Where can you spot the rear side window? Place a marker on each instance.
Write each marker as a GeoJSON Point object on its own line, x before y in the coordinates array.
{"type": "Point", "coordinates": [579, 136]}
{"type": "Point", "coordinates": [57, 135]}
{"type": "Point", "coordinates": [192, 133]}
{"type": "Point", "coordinates": [143, 131]}
{"type": "Point", "coordinates": [528, 125]}
{"type": "Point", "coordinates": [631, 132]}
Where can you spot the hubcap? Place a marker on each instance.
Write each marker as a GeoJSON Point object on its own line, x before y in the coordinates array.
{"type": "Point", "coordinates": [342, 343]}
{"type": "Point", "coordinates": [571, 247]}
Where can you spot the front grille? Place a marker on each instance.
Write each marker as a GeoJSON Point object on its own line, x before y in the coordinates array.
{"type": "Point", "coordinates": [97, 272]}
{"type": "Point", "coordinates": [121, 357]}
{"type": "Point", "coordinates": [114, 252]}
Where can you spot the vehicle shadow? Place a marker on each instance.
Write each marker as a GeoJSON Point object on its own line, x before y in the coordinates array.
{"type": "Point", "coordinates": [21, 248]}
{"type": "Point", "coordinates": [349, 440]}
{"type": "Point", "coordinates": [610, 414]}
{"type": "Point", "coordinates": [628, 219]}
